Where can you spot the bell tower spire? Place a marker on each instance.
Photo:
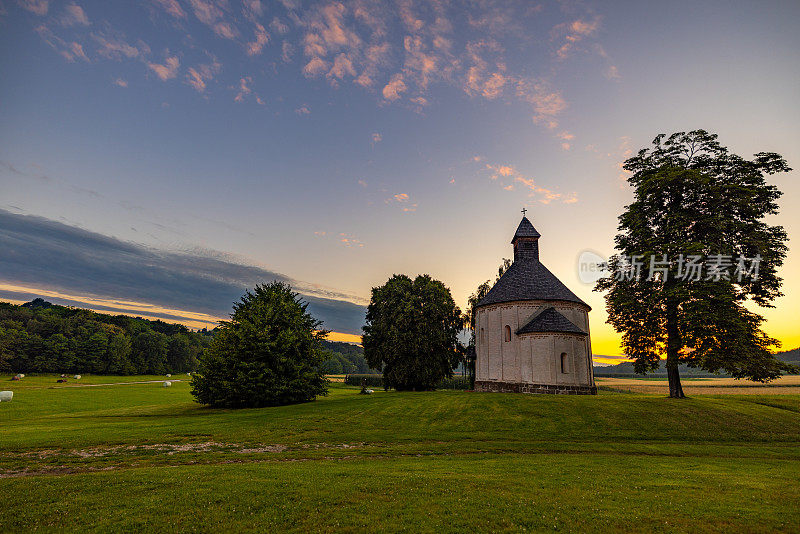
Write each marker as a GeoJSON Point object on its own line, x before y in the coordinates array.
{"type": "Point", "coordinates": [526, 240]}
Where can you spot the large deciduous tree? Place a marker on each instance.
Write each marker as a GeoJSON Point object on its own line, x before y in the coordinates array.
{"type": "Point", "coordinates": [268, 354]}
{"type": "Point", "coordinates": [696, 203]}
{"type": "Point", "coordinates": [411, 332]}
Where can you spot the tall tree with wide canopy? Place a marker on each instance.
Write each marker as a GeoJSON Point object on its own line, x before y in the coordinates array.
{"type": "Point", "coordinates": [695, 198]}
{"type": "Point", "coordinates": [411, 332]}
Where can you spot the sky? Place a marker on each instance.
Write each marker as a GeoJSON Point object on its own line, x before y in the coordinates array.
{"type": "Point", "coordinates": [159, 157]}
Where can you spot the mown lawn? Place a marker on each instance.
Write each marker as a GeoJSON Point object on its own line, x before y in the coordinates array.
{"type": "Point", "coordinates": [141, 456]}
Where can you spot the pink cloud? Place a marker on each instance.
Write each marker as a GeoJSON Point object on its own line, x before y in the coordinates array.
{"type": "Point", "coordinates": [342, 66]}
{"type": "Point", "coordinates": [74, 16]}
{"type": "Point", "coordinates": [68, 50]}
{"type": "Point", "coordinates": [253, 8]}
{"type": "Point", "coordinates": [206, 12]}
{"type": "Point", "coordinates": [35, 6]}
{"type": "Point", "coordinates": [394, 88]}
{"type": "Point", "coordinates": [571, 33]}
{"type": "Point", "coordinates": [200, 76]}
{"type": "Point", "coordinates": [172, 7]}
{"type": "Point", "coordinates": [546, 103]}
{"type": "Point", "coordinates": [113, 47]}
{"type": "Point", "coordinates": [119, 82]}
{"type": "Point", "coordinates": [226, 30]}
{"type": "Point", "coordinates": [262, 38]}
{"type": "Point", "coordinates": [278, 26]}
{"type": "Point", "coordinates": [349, 240]}
{"type": "Point", "coordinates": [315, 67]}
{"type": "Point", "coordinates": [303, 110]}
{"type": "Point", "coordinates": [501, 173]}
{"type": "Point", "coordinates": [286, 51]}
{"type": "Point", "coordinates": [244, 89]}
{"type": "Point", "coordinates": [167, 70]}
{"type": "Point", "coordinates": [404, 199]}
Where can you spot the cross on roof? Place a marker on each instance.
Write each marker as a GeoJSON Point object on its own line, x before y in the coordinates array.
{"type": "Point", "coordinates": [523, 211]}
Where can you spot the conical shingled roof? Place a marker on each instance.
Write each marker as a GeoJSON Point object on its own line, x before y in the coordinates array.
{"type": "Point", "coordinates": [528, 279]}
{"type": "Point", "coordinates": [525, 229]}
{"type": "Point", "coordinates": [550, 320]}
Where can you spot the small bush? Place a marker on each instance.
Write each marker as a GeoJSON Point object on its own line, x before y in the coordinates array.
{"type": "Point", "coordinates": [374, 381]}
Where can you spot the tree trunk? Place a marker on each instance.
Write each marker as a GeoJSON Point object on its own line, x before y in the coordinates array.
{"type": "Point", "coordinates": [673, 350]}
{"type": "Point", "coordinates": [674, 376]}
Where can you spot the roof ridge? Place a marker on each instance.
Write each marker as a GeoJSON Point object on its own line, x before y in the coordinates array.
{"type": "Point", "coordinates": [550, 324]}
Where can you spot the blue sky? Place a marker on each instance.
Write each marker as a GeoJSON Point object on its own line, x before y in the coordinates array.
{"type": "Point", "coordinates": [337, 143]}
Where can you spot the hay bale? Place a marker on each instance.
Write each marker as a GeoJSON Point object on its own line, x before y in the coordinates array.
{"type": "Point", "coordinates": [22, 375]}
{"type": "Point", "coordinates": [77, 377]}
{"type": "Point", "coordinates": [167, 384]}
{"type": "Point", "coordinates": [169, 375]}
{"type": "Point", "coordinates": [6, 396]}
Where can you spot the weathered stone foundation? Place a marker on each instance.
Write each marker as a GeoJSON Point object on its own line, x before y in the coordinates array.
{"type": "Point", "coordinates": [522, 387]}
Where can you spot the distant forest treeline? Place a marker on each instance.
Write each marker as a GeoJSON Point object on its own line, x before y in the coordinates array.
{"type": "Point", "coordinates": [40, 337]}
{"type": "Point", "coordinates": [626, 368]}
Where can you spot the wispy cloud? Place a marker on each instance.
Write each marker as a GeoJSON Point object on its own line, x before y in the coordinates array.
{"type": "Point", "coordinates": [404, 201]}
{"type": "Point", "coordinates": [509, 176]}
{"type": "Point", "coordinates": [198, 77]}
{"type": "Point", "coordinates": [69, 50]}
{"type": "Point", "coordinates": [112, 45]}
{"type": "Point", "coordinates": [74, 15]}
{"type": "Point", "coordinates": [350, 240]}
{"type": "Point", "coordinates": [35, 6]}
{"type": "Point", "coordinates": [244, 90]}
{"type": "Point", "coordinates": [567, 35]}
{"type": "Point", "coordinates": [172, 7]}
{"type": "Point", "coordinates": [120, 82]}
{"type": "Point", "coordinates": [261, 39]}
{"type": "Point", "coordinates": [167, 70]}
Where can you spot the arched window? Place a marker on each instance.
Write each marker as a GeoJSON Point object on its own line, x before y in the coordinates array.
{"type": "Point", "coordinates": [564, 362]}
{"type": "Point", "coordinates": [507, 333]}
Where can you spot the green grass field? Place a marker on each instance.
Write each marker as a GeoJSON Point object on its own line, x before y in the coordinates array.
{"type": "Point", "coordinates": [139, 456]}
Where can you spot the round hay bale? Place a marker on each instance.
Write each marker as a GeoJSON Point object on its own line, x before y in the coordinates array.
{"type": "Point", "coordinates": [22, 375]}
{"type": "Point", "coordinates": [167, 384]}
{"type": "Point", "coordinates": [6, 396]}
{"type": "Point", "coordinates": [169, 375]}
{"type": "Point", "coordinates": [77, 377]}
